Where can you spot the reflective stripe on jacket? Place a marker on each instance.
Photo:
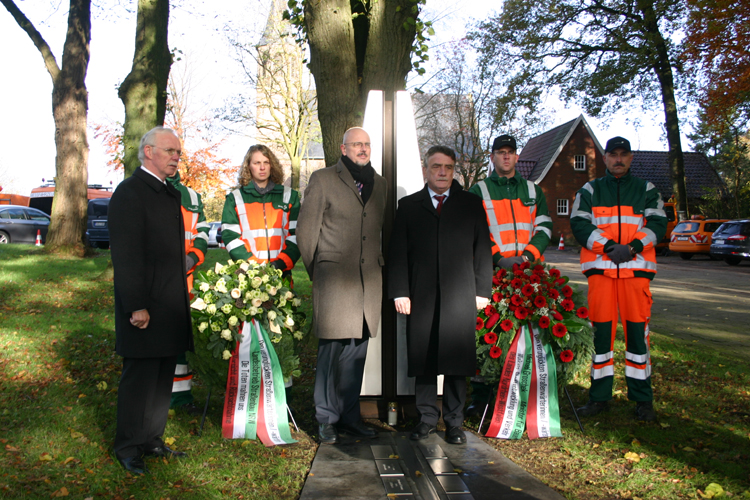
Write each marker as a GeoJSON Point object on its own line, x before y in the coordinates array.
{"type": "Point", "coordinates": [262, 228]}
{"type": "Point", "coordinates": [517, 215]}
{"type": "Point", "coordinates": [625, 210]}
{"type": "Point", "coordinates": [196, 227]}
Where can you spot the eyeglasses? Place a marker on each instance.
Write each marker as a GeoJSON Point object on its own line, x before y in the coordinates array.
{"type": "Point", "coordinates": [170, 151]}
{"type": "Point", "coordinates": [357, 145]}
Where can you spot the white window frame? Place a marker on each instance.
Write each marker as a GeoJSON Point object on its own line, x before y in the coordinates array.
{"type": "Point", "coordinates": [579, 162]}
{"type": "Point", "coordinates": [563, 207]}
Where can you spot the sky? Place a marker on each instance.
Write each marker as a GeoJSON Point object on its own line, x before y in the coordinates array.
{"type": "Point", "coordinates": [198, 30]}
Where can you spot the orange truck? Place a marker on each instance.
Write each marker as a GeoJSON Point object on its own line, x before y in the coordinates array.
{"type": "Point", "coordinates": [691, 237]}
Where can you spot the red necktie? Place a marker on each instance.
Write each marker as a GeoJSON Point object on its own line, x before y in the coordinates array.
{"type": "Point", "coordinates": [440, 199]}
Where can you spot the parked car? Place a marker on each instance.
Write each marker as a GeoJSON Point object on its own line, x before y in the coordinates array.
{"type": "Point", "coordinates": [663, 246]}
{"type": "Point", "coordinates": [20, 224]}
{"type": "Point", "coordinates": [693, 236]}
{"type": "Point", "coordinates": [97, 227]}
{"type": "Point", "coordinates": [214, 234]}
{"type": "Point", "coordinates": [732, 241]}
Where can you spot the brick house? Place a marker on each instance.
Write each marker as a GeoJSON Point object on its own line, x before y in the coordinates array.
{"type": "Point", "coordinates": [564, 158]}
{"type": "Point", "coordinates": [560, 161]}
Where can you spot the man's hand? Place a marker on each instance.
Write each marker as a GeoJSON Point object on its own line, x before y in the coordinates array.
{"type": "Point", "coordinates": [403, 305]}
{"type": "Point", "coordinates": [507, 262]}
{"type": "Point", "coordinates": [278, 264]}
{"type": "Point", "coordinates": [189, 263]}
{"type": "Point", "coordinates": [619, 254]}
{"type": "Point", "coordinates": [140, 319]}
{"type": "Point", "coordinates": [482, 302]}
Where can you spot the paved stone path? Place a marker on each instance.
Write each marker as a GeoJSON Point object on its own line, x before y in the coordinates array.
{"type": "Point", "coordinates": [430, 469]}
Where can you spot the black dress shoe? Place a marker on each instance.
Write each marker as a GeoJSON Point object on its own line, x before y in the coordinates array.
{"type": "Point", "coordinates": [592, 408]}
{"type": "Point", "coordinates": [454, 435]}
{"type": "Point", "coordinates": [134, 465]}
{"type": "Point", "coordinates": [422, 431]}
{"type": "Point", "coordinates": [327, 434]}
{"type": "Point", "coordinates": [357, 429]}
{"type": "Point", "coordinates": [164, 451]}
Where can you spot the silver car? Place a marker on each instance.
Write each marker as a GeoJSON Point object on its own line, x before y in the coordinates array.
{"type": "Point", "coordinates": [213, 231]}
{"type": "Point", "coordinates": [20, 224]}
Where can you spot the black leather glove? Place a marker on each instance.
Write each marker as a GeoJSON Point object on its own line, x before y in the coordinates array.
{"type": "Point", "coordinates": [189, 262]}
{"type": "Point", "coordinates": [507, 262]}
{"type": "Point", "coordinates": [619, 254]}
{"type": "Point", "coordinates": [278, 264]}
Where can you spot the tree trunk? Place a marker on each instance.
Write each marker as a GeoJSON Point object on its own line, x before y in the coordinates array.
{"type": "Point", "coordinates": [144, 90]}
{"type": "Point", "coordinates": [296, 164]}
{"type": "Point", "coordinates": [344, 71]}
{"type": "Point", "coordinates": [69, 110]}
{"type": "Point", "coordinates": [663, 69]}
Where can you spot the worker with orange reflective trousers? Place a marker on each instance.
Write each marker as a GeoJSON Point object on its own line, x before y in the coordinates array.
{"type": "Point", "coordinates": [520, 226]}
{"type": "Point", "coordinates": [618, 219]}
{"type": "Point", "coordinates": [259, 221]}
{"type": "Point", "coordinates": [196, 227]}
{"type": "Point", "coordinates": [196, 246]}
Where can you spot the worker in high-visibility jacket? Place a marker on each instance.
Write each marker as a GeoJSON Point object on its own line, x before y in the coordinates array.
{"type": "Point", "coordinates": [196, 246]}
{"type": "Point", "coordinates": [618, 219]}
{"type": "Point", "coordinates": [259, 221]}
{"type": "Point", "coordinates": [520, 225]}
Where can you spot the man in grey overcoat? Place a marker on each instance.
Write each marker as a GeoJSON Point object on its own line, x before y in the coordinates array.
{"type": "Point", "coordinates": [152, 310]}
{"type": "Point", "coordinates": [338, 234]}
{"type": "Point", "coordinates": [439, 274]}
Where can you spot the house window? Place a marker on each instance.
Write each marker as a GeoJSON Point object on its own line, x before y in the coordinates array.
{"type": "Point", "coordinates": [562, 207]}
{"type": "Point", "coordinates": [580, 162]}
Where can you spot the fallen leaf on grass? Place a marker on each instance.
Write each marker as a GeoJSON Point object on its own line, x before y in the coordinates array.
{"type": "Point", "coordinates": [246, 442]}
{"type": "Point", "coordinates": [75, 434]}
{"type": "Point", "coordinates": [713, 490]}
{"type": "Point", "coordinates": [68, 460]}
{"type": "Point", "coordinates": [633, 457]}
{"type": "Point", "coordinates": [62, 492]}
{"type": "Point", "coordinates": [664, 425]}
{"type": "Point", "coordinates": [688, 449]}
{"type": "Point", "coordinates": [45, 457]}
{"type": "Point", "coordinates": [102, 386]}
{"type": "Point", "coordinates": [11, 449]}
{"type": "Point", "coordinates": [169, 441]}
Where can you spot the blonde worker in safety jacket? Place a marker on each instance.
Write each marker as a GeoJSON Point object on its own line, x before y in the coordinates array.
{"type": "Point", "coordinates": [196, 246]}
{"type": "Point", "coordinates": [520, 225]}
{"type": "Point", "coordinates": [259, 222]}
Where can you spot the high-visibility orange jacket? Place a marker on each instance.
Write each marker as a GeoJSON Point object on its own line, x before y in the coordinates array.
{"type": "Point", "coordinates": [517, 215]}
{"type": "Point", "coordinates": [262, 227]}
{"type": "Point", "coordinates": [625, 210]}
{"type": "Point", "coordinates": [196, 227]}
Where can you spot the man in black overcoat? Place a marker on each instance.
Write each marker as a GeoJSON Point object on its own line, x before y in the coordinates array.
{"type": "Point", "coordinates": [152, 310]}
{"type": "Point", "coordinates": [439, 274]}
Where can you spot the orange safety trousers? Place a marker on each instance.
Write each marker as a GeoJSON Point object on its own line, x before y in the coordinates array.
{"type": "Point", "coordinates": [632, 298]}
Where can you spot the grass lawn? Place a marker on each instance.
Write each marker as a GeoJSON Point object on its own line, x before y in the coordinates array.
{"type": "Point", "coordinates": [59, 376]}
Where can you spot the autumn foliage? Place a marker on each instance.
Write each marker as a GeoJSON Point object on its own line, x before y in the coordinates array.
{"type": "Point", "coordinates": [718, 43]}
{"type": "Point", "coordinates": [202, 169]}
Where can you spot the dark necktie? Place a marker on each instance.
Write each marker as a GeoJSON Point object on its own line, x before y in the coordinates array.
{"type": "Point", "coordinates": [440, 199]}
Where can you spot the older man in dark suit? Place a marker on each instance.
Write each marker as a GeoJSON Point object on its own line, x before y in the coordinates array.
{"type": "Point", "coordinates": [338, 234]}
{"type": "Point", "coordinates": [152, 311]}
{"type": "Point", "coordinates": [439, 274]}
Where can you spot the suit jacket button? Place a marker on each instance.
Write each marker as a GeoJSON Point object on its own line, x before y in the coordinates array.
{"type": "Point", "coordinates": [364, 214]}
{"type": "Point", "coordinates": [364, 238]}
{"type": "Point", "coordinates": [363, 261]}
